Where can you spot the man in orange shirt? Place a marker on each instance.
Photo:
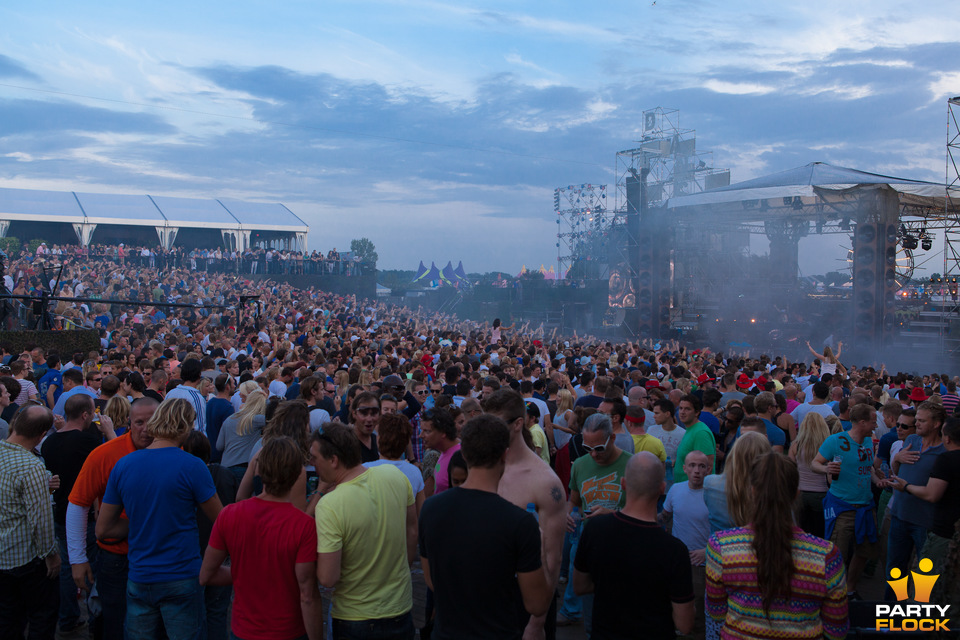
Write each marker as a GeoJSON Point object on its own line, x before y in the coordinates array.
{"type": "Point", "coordinates": [91, 484]}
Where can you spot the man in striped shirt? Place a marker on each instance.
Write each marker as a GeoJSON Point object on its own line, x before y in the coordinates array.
{"type": "Point", "coordinates": [29, 558]}
{"type": "Point", "coordinates": [188, 390]}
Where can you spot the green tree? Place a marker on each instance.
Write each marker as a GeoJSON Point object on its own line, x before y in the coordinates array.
{"type": "Point", "coordinates": [934, 277]}
{"type": "Point", "coordinates": [10, 245]}
{"type": "Point", "coordinates": [365, 250]}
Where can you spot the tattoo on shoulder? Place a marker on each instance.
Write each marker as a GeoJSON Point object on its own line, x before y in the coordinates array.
{"type": "Point", "coordinates": [556, 493]}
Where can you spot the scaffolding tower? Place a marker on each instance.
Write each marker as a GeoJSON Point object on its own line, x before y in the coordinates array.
{"type": "Point", "coordinates": [670, 155]}
{"type": "Point", "coordinates": [582, 224]}
{"type": "Point", "coordinates": [951, 216]}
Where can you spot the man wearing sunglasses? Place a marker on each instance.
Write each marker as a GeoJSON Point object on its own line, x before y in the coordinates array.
{"type": "Point", "coordinates": [595, 489]}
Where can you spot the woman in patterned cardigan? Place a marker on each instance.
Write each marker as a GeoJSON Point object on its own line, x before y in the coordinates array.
{"type": "Point", "coordinates": [769, 579]}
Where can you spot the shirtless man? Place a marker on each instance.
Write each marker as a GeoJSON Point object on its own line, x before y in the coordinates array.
{"type": "Point", "coordinates": [528, 479]}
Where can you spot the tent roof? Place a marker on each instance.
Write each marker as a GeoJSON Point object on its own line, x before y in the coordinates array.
{"type": "Point", "coordinates": [807, 181]}
{"type": "Point", "coordinates": [61, 205]}
{"type": "Point", "coordinates": [145, 210]}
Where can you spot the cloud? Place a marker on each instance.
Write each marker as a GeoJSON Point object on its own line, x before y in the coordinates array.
{"type": "Point", "coordinates": [10, 68]}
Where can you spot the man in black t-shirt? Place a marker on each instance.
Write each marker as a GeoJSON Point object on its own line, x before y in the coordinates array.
{"type": "Point", "coordinates": [64, 453]}
{"type": "Point", "coordinates": [481, 553]}
{"type": "Point", "coordinates": [640, 574]}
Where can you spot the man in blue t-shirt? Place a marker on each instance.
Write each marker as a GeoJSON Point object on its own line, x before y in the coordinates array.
{"type": "Point", "coordinates": [50, 386]}
{"type": "Point", "coordinates": [159, 488]}
{"type": "Point", "coordinates": [847, 459]}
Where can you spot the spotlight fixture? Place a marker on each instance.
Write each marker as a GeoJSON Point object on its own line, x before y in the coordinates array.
{"type": "Point", "coordinates": [845, 224]}
{"type": "Point", "coordinates": [926, 243]}
{"type": "Point", "coordinates": [910, 242]}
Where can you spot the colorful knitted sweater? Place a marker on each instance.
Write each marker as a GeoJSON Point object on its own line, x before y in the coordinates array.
{"type": "Point", "coordinates": [817, 606]}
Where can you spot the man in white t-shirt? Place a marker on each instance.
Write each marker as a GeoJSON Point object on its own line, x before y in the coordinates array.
{"type": "Point", "coordinates": [665, 429]}
{"type": "Point", "coordinates": [685, 516]}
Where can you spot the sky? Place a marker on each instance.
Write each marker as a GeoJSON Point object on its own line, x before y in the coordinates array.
{"type": "Point", "coordinates": [440, 130]}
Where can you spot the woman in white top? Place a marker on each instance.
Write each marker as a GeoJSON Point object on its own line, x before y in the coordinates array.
{"type": "Point", "coordinates": [829, 362]}
{"type": "Point", "coordinates": [496, 333]}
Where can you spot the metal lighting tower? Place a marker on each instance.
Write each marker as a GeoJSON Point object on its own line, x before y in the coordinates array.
{"type": "Point", "coordinates": [582, 221]}
{"type": "Point", "coordinates": [670, 154]}
{"type": "Point", "coordinates": [951, 215]}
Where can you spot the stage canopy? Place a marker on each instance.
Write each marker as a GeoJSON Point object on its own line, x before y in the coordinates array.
{"type": "Point", "coordinates": [812, 180]}
{"type": "Point", "coordinates": [232, 223]}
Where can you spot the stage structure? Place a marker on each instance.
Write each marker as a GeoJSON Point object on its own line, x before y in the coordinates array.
{"type": "Point", "coordinates": [582, 222]}
{"type": "Point", "coordinates": [666, 164]}
{"type": "Point", "coordinates": [887, 220]}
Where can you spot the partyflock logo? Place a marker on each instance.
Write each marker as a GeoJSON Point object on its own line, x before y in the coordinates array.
{"type": "Point", "coordinates": [919, 616]}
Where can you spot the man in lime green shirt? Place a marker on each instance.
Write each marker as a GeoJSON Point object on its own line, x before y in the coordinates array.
{"type": "Point", "coordinates": [363, 550]}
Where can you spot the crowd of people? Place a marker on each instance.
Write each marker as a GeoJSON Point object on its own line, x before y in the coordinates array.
{"type": "Point", "coordinates": [266, 260]}
{"type": "Point", "coordinates": [286, 469]}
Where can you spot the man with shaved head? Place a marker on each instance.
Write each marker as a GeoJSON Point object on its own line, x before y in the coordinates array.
{"type": "Point", "coordinates": [686, 517]}
{"type": "Point", "coordinates": [651, 589]}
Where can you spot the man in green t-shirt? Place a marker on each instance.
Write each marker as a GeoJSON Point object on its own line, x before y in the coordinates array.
{"type": "Point", "coordinates": [366, 537]}
{"type": "Point", "coordinates": [595, 488]}
{"type": "Point", "coordinates": [698, 437]}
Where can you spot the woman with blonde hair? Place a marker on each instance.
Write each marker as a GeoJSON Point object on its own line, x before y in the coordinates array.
{"type": "Point", "coordinates": [727, 495]}
{"type": "Point", "coordinates": [342, 379]}
{"type": "Point", "coordinates": [562, 422]}
{"type": "Point", "coordinates": [160, 488]}
{"type": "Point", "coordinates": [241, 431]}
{"type": "Point", "coordinates": [813, 486]}
{"type": "Point", "coordinates": [118, 410]}
{"type": "Point", "coordinates": [829, 362]}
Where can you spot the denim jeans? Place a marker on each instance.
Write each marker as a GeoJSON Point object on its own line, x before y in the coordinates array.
{"type": "Point", "coordinates": [27, 596]}
{"type": "Point", "coordinates": [217, 603]}
{"type": "Point", "coordinates": [572, 607]}
{"type": "Point", "coordinates": [175, 607]}
{"type": "Point", "coordinates": [110, 571]}
{"type": "Point", "coordinates": [69, 607]}
{"type": "Point", "coordinates": [398, 628]}
{"type": "Point", "coordinates": [904, 539]}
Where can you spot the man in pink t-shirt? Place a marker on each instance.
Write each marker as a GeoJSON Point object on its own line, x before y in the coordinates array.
{"type": "Point", "coordinates": [271, 544]}
{"type": "Point", "coordinates": [439, 432]}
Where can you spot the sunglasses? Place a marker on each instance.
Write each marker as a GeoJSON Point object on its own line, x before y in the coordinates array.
{"type": "Point", "coordinates": [436, 390]}
{"type": "Point", "coordinates": [368, 411]}
{"type": "Point", "coordinates": [330, 390]}
{"type": "Point", "coordinates": [422, 392]}
{"type": "Point", "coordinates": [900, 425]}
{"type": "Point", "coordinates": [600, 448]}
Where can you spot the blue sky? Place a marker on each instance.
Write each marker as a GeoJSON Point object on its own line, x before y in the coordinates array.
{"type": "Point", "coordinates": [439, 130]}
